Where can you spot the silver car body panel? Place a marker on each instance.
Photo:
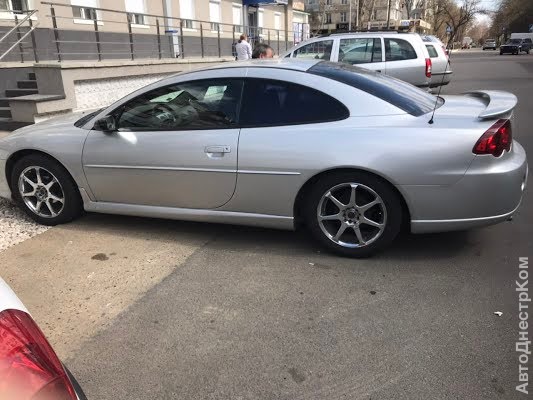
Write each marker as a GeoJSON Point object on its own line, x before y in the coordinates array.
{"type": "Point", "coordinates": [445, 186]}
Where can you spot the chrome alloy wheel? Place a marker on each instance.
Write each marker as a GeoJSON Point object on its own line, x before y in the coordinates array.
{"type": "Point", "coordinates": [41, 191]}
{"type": "Point", "coordinates": [352, 215]}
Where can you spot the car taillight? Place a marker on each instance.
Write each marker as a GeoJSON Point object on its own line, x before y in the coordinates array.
{"type": "Point", "coordinates": [428, 67]}
{"type": "Point", "coordinates": [496, 139]}
{"type": "Point", "coordinates": [29, 367]}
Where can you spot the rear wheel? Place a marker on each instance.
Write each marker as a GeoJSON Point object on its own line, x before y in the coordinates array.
{"type": "Point", "coordinates": [353, 214]}
{"type": "Point", "coordinates": [45, 191]}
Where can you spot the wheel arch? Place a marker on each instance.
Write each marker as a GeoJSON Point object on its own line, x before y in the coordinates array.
{"type": "Point", "coordinates": [16, 156]}
{"type": "Point", "coordinates": [306, 187]}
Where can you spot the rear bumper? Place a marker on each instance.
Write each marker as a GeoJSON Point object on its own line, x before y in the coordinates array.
{"type": "Point", "coordinates": [440, 78]}
{"type": "Point", "coordinates": [490, 192]}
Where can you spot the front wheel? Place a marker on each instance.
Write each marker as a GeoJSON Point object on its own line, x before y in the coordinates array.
{"type": "Point", "coordinates": [353, 214]}
{"type": "Point", "coordinates": [45, 190]}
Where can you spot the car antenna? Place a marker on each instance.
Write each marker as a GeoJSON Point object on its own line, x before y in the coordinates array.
{"type": "Point", "coordinates": [440, 87]}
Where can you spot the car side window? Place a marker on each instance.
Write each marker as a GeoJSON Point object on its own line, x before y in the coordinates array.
{"type": "Point", "coordinates": [431, 50]}
{"type": "Point", "coordinates": [274, 103]}
{"type": "Point", "coordinates": [360, 50]}
{"type": "Point", "coordinates": [315, 51]}
{"type": "Point", "coordinates": [399, 50]}
{"type": "Point", "coordinates": [203, 104]}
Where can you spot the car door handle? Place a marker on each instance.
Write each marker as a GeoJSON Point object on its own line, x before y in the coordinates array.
{"type": "Point", "coordinates": [217, 149]}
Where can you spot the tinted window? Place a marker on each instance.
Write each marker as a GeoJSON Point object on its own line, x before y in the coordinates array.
{"type": "Point", "coordinates": [269, 102]}
{"type": "Point", "coordinates": [528, 41]}
{"type": "Point", "coordinates": [431, 50]}
{"type": "Point", "coordinates": [406, 97]}
{"type": "Point", "coordinates": [360, 50]}
{"type": "Point", "coordinates": [204, 104]}
{"type": "Point", "coordinates": [317, 50]}
{"type": "Point", "coordinates": [398, 50]}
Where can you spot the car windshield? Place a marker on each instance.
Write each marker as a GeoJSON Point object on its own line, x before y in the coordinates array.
{"type": "Point", "coordinates": [514, 41]}
{"type": "Point", "coordinates": [401, 94]}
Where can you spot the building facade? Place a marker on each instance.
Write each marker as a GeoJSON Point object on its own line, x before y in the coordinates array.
{"type": "Point", "coordinates": [179, 27]}
{"type": "Point", "coordinates": [329, 16]}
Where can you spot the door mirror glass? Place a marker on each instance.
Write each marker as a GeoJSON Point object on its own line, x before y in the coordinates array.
{"type": "Point", "coordinates": [106, 124]}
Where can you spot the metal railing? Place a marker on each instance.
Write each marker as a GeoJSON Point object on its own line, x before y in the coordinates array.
{"type": "Point", "coordinates": [115, 34]}
{"type": "Point", "coordinates": [21, 32]}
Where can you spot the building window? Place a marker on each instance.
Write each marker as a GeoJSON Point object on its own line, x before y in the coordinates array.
{"type": "Point", "coordinates": [277, 21]}
{"type": "Point", "coordinates": [260, 21]}
{"type": "Point", "coordinates": [328, 18]}
{"type": "Point", "coordinates": [343, 17]}
{"type": "Point", "coordinates": [84, 9]}
{"type": "Point", "coordinates": [328, 2]}
{"type": "Point", "coordinates": [214, 14]}
{"type": "Point", "coordinates": [187, 13]}
{"type": "Point", "coordinates": [15, 6]}
{"type": "Point", "coordinates": [344, 2]}
{"type": "Point", "coordinates": [136, 8]}
{"type": "Point", "coordinates": [237, 16]}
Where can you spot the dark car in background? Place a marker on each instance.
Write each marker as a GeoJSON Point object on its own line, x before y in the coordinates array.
{"type": "Point", "coordinates": [516, 46]}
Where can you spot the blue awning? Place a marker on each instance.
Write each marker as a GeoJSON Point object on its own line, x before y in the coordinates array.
{"type": "Point", "coordinates": [263, 2]}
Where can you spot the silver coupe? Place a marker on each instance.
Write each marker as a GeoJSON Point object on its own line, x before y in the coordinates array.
{"type": "Point", "coordinates": [352, 155]}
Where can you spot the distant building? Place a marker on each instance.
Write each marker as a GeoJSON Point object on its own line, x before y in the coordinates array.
{"type": "Point", "coordinates": [328, 16]}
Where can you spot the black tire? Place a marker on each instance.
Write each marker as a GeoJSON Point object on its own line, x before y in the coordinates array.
{"type": "Point", "coordinates": [501, 52]}
{"type": "Point", "coordinates": [389, 197]}
{"type": "Point", "coordinates": [72, 205]}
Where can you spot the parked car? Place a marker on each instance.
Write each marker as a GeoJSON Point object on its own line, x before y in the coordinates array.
{"type": "Point", "coordinates": [516, 46]}
{"type": "Point", "coordinates": [347, 153]}
{"type": "Point", "coordinates": [441, 71]}
{"type": "Point", "coordinates": [29, 367]}
{"type": "Point", "coordinates": [489, 44]}
{"type": "Point", "coordinates": [401, 55]}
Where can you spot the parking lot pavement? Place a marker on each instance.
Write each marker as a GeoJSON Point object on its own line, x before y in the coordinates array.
{"type": "Point", "coordinates": [205, 311]}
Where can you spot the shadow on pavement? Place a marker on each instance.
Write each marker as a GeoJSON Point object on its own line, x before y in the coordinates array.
{"type": "Point", "coordinates": [266, 241]}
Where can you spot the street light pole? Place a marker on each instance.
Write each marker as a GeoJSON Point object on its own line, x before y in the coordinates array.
{"type": "Point", "coordinates": [350, 17]}
{"type": "Point", "coordinates": [357, 16]}
{"type": "Point", "coordinates": [388, 13]}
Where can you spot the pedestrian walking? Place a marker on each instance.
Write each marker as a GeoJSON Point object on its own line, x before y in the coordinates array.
{"type": "Point", "coordinates": [243, 49]}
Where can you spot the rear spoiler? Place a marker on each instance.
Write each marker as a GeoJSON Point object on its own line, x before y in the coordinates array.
{"type": "Point", "coordinates": [499, 103]}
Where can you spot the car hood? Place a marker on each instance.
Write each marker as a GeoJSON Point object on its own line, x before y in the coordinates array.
{"type": "Point", "coordinates": [52, 123]}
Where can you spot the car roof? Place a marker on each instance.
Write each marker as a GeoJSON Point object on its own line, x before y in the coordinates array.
{"type": "Point", "coordinates": [294, 64]}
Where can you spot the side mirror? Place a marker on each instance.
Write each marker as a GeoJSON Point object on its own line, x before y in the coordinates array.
{"type": "Point", "coordinates": [106, 124]}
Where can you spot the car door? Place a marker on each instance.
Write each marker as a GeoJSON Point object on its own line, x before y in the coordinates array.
{"type": "Point", "coordinates": [174, 146]}
{"type": "Point", "coordinates": [317, 50]}
{"type": "Point", "coordinates": [363, 52]}
{"type": "Point", "coordinates": [278, 120]}
{"type": "Point", "coordinates": [403, 62]}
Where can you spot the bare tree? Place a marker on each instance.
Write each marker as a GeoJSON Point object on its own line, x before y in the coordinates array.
{"type": "Point", "coordinates": [459, 16]}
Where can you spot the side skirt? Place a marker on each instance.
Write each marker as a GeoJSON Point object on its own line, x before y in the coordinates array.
{"type": "Point", "coordinates": [189, 214]}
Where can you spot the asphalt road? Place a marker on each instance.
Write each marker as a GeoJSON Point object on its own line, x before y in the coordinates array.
{"type": "Point", "coordinates": [260, 314]}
